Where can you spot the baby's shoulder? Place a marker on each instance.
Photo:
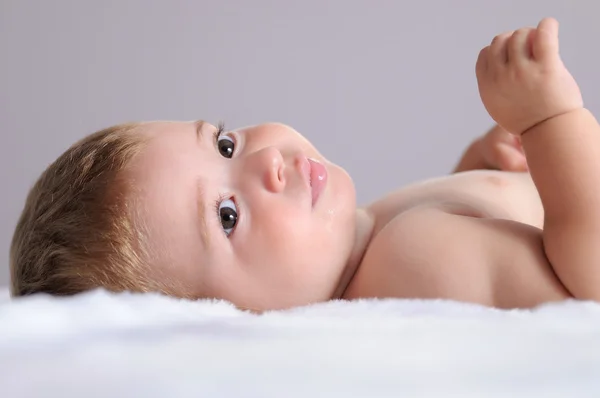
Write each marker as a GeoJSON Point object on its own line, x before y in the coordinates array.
{"type": "Point", "coordinates": [427, 233]}
{"type": "Point", "coordinates": [426, 252]}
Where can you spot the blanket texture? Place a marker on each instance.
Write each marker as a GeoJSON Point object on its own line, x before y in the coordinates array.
{"type": "Point", "coordinates": [115, 345]}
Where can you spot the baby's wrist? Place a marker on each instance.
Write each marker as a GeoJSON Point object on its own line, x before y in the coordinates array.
{"type": "Point", "coordinates": [540, 125]}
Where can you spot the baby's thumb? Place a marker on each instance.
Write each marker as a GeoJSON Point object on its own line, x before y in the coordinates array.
{"type": "Point", "coordinates": [545, 42]}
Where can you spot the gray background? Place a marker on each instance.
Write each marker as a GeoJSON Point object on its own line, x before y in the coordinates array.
{"type": "Point", "coordinates": [384, 88]}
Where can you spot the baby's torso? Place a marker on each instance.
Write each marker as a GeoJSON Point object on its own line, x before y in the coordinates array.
{"type": "Point", "coordinates": [479, 194]}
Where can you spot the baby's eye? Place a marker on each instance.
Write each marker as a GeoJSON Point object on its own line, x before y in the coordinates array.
{"type": "Point", "coordinates": [228, 215]}
{"type": "Point", "coordinates": [225, 145]}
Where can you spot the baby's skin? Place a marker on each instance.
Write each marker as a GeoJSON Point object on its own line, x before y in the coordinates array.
{"type": "Point", "coordinates": [499, 239]}
{"type": "Point", "coordinates": [285, 230]}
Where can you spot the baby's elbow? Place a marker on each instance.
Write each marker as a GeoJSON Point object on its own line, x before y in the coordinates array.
{"type": "Point", "coordinates": [587, 294]}
{"type": "Point", "coordinates": [586, 286]}
{"type": "Point", "coordinates": [581, 280]}
{"type": "Point", "coordinates": [575, 257]}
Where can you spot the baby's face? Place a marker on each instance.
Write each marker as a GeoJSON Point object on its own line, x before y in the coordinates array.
{"type": "Point", "coordinates": [247, 216]}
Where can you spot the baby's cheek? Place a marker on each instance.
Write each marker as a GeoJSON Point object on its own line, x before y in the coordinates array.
{"type": "Point", "coordinates": [284, 239]}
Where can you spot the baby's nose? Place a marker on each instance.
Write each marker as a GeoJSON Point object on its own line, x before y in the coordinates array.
{"type": "Point", "coordinates": [270, 167]}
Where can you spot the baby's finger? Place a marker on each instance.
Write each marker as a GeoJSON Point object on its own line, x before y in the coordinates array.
{"type": "Point", "coordinates": [481, 65]}
{"type": "Point", "coordinates": [549, 25]}
{"type": "Point", "coordinates": [545, 42]}
{"type": "Point", "coordinates": [498, 48]}
{"type": "Point", "coordinates": [518, 48]}
{"type": "Point", "coordinates": [517, 142]}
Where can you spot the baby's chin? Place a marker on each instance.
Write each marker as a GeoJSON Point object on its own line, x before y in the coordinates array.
{"type": "Point", "coordinates": [343, 175]}
{"type": "Point", "coordinates": [342, 195]}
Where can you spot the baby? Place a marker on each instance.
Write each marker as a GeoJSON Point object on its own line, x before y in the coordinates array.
{"type": "Point", "coordinates": [257, 216]}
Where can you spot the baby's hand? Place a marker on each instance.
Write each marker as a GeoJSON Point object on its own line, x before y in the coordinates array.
{"type": "Point", "coordinates": [522, 79]}
{"type": "Point", "coordinates": [502, 150]}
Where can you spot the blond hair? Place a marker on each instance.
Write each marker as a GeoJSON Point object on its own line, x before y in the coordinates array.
{"type": "Point", "coordinates": [76, 231]}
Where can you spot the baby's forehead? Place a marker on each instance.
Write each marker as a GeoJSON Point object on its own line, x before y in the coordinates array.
{"type": "Point", "coordinates": [159, 127]}
{"type": "Point", "coordinates": [161, 142]}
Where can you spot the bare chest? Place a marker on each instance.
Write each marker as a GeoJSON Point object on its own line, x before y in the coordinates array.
{"type": "Point", "coordinates": [480, 193]}
{"type": "Point", "coordinates": [423, 257]}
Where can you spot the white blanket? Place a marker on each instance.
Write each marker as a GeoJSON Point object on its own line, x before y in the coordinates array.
{"type": "Point", "coordinates": [106, 345]}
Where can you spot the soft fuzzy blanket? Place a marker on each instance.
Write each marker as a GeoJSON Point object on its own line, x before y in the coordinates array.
{"type": "Point", "coordinates": [125, 345]}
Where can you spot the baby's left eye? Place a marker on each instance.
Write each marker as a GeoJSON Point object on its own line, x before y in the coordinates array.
{"type": "Point", "coordinates": [226, 146]}
{"type": "Point", "coordinates": [228, 215]}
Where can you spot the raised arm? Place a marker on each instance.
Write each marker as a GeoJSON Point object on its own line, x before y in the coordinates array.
{"type": "Point", "coordinates": [564, 153]}
{"type": "Point", "coordinates": [527, 89]}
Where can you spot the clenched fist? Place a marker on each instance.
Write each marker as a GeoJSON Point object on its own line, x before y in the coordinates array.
{"type": "Point", "coordinates": [522, 79]}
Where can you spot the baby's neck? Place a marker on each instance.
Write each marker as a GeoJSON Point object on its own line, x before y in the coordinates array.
{"type": "Point", "coordinates": [365, 223]}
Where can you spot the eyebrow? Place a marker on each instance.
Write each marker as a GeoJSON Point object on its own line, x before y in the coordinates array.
{"type": "Point", "coordinates": [202, 221]}
{"type": "Point", "coordinates": [199, 124]}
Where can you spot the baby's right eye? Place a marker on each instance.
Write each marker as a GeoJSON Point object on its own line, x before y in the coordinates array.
{"type": "Point", "coordinates": [225, 144]}
{"type": "Point", "coordinates": [228, 215]}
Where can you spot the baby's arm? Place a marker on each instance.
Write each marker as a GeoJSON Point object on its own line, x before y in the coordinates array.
{"type": "Point", "coordinates": [526, 88]}
{"type": "Point", "coordinates": [564, 157]}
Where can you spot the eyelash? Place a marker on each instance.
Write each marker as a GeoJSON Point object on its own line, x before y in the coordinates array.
{"type": "Point", "coordinates": [218, 202]}
{"type": "Point", "coordinates": [219, 132]}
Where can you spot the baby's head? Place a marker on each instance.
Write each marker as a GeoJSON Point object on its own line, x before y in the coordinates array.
{"type": "Point", "coordinates": [255, 216]}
